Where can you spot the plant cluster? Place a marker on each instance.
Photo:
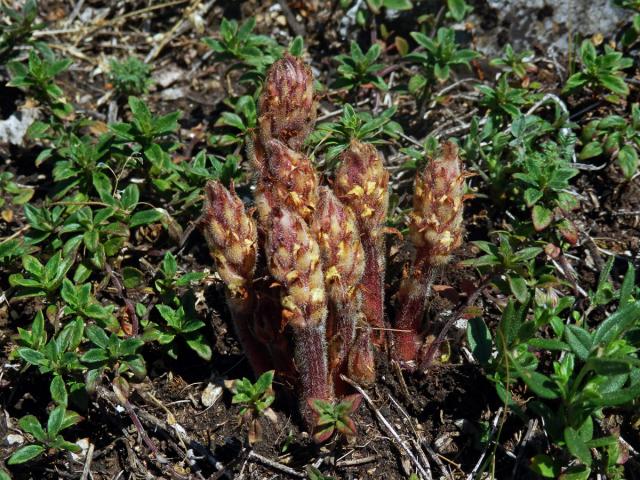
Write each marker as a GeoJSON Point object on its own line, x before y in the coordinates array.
{"type": "Point", "coordinates": [594, 366]}
{"type": "Point", "coordinates": [324, 248]}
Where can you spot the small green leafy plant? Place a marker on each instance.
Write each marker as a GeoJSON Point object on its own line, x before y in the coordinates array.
{"type": "Point", "coordinates": [359, 68]}
{"type": "Point", "coordinates": [255, 399]}
{"type": "Point", "coordinates": [109, 352]}
{"type": "Point", "coordinates": [48, 439]}
{"type": "Point", "coordinates": [594, 366]}
{"type": "Point", "coordinates": [616, 137]}
{"type": "Point", "coordinates": [436, 59]}
{"type": "Point", "coordinates": [335, 137]}
{"type": "Point", "coordinates": [335, 417]}
{"type": "Point", "coordinates": [130, 76]}
{"type": "Point", "coordinates": [516, 63]}
{"type": "Point", "coordinates": [177, 322]}
{"type": "Point", "coordinates": [37, 77]}
{"type": "Point", "coordinates": [42, 280]}
{"type": "Point", "coordinates": [601, 71]}
{"type": "Point", "coordinates": [19, 30]}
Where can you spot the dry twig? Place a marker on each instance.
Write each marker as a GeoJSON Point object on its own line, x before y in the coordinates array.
{"type": "Point", "coordinates": [387, 425]}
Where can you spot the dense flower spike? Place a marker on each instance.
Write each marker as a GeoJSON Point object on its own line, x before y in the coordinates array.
{"type": "Point", "coordinates": [287, 105]}
{"type": "Point", "coordinates": [435, 230]}
{"type": "Point", "coordinates": [295, 182]}
{"type": "Point", "coordinates": [294, 261]}
{"type": "Point", "coordinates": [232, 238]}
{"type": "Point", "coordinates": [362, 184]}
{"type": "Point", "coordinates": [335, 229]}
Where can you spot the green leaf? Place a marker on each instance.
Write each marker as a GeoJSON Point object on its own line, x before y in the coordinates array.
{"type": "Point", "coordinates": [145, 217]}
{"type": "Point", "coordinates": [590, 150]}
{"type": "Point", "coordinates": [199, 345]}
{"type": "Point", "coordinates": [577, 446]}
{"type": "Point", "coordinates": [619, 397]}
{"type": "Point", "coordinates": [614, 83]}
{"type": "Point", "coordinates": [25, 454]}
{"type": "Point", "coordinates": [628, 161]}
{"type": "Point", "coordinates": [539, 384]}
{"type": "Point", "coordinates": [616, 324]}
{"type": "Point", "coordinates": [531, 196]}
{"type": "Point", "coordinates": [576, 80]}
{"type": "Point", "coordinates": [457, 9]}
{"type": "Point", "coordinates": [628, 285]}
{"type": "Point", "coordinates": [141, 114]}
{"type": "Point", "coordinates": [97, 335]}
{"type": "Point", "coordinates": [102, 184]}
{"type": "Point", "coordinates": [31, 356]}
{"type": "Point", "coordinates": [58, 390]}
{"type": "Point", "coordinates": [518, 287]}
{"type": "Point", "coordinates": [70, 418]}
{"type": "Point", "coordinates": [54, 424]}
{"type": "Point", "coordinates": [541, 217]}
{"type": "Point", "coordinates": [479, 338]}
{"type": "Point", "coordinates": [130, 197]}
{"type": "Point", "coordinates": [132, 277]}
{"type": "Point", "coordinates": [30, 424]}
{"type": "Point", "coordinates": [166, 124]}
{"type": "Point", "coordinates": [296, 47]}
{"type": "Point", "coordinates": [609, 366]}
{"type": "Point", "coordinates": [169, 265]}
{"type": "Point", "coordinates": [265, 381]}
{"type": "Point", "coordinates": [579, 340]}
{"type": "Point", "coordinates": [95, 355]}
{"type": "Point", "coordinates": [233, 120]}
{"type": "Point", "coordinates": [548, 344]}
{"type": "Point", "coordinates": [91, 240]}
{"type": "Point", "coordinates": [544, 466]}
{"type": "Point", "coordinates": [32, 265]}
{"type": "Point", "coordinates": [398, 4]}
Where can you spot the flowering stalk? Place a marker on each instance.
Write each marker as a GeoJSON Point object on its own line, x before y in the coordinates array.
{"type": "Point", "coordinates": [294, 261]}
{"type": "Point", "coordinates": [362, 184]}
{"type": "Point", "coordinates": [435, 230]}
{"type": "Point", "coordinates": [290, 180]}
{"type": "Point", "coordinates": [232, 239]}
{"type": "Point", "coordinates": [335, 230]}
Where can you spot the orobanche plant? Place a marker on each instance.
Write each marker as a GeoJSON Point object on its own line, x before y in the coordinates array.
{"type": "Point", "coordinates": [305, 276]}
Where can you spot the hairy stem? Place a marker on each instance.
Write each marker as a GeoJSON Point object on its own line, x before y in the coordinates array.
{"type": "Point", "coordinates": [412, 299]}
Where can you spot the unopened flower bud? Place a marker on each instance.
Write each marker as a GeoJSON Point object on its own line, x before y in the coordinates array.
{"type": "Point", "coordinates": [287, 106]}
{"type": "Point", "coordinates": [362, 365]}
